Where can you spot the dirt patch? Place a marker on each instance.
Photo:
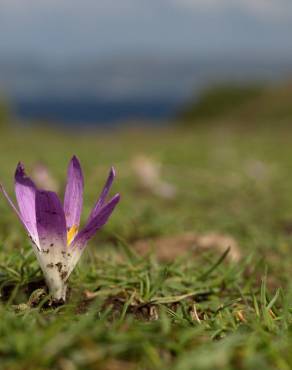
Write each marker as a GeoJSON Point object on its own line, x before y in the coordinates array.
{"type": "Point", "coordinates": [24, 290]}
{"type": "Point", "coordinates": [113, 364]}
{"type": "Point", "coordinates": [168, 248]}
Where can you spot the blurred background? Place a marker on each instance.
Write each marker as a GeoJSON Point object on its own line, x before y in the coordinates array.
{"type": "Point", "coordinates": [135, 62]}
{"type": "Point", "coordinates": [190, 100]}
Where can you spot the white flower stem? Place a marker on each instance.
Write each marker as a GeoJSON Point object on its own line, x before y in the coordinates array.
{"type": "Point", "coordinates": [57, 288]}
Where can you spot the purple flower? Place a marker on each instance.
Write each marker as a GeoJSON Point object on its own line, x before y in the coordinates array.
{"type": "Point", "coordinates": [53, 228]}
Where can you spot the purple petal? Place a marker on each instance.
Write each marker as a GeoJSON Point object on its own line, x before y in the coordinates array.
{"type": "Point", "coordinates": [73, 200]}
{"type": "Point", "coordinates": [25, 191]}
{"type": "Point", "coordinates": [96, 223]}
{"type": "Point", "coordinates": [10, 202]}
{"type": "Point", "coordinates": [99, 204]}
{"type": "Point", "coordinates": [51, 224]}
{"type": "Point", "coordinates": [17, 213]}
{"type": "Point", "coordinates": [12, 205]}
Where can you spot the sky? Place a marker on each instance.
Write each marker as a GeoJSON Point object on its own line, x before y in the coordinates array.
{"type": "Point", "coordinates": [66, 29]}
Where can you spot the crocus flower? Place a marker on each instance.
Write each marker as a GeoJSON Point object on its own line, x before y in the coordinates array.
{"type": "Point", "coordinates": [53, 228]}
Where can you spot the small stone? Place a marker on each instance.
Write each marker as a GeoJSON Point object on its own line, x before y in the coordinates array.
{"type": "Point", "coordinates": [36, 296]}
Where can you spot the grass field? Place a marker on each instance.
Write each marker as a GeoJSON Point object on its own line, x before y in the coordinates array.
{"type": "Point", "coordinates": [127, 311]}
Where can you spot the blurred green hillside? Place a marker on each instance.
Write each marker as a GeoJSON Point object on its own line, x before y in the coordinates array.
{"type": "Point", "coordinates": [4, 113]}
{"type": "Point", "coordinates": [241, 103]}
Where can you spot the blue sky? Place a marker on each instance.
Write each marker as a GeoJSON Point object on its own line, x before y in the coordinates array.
{"type": "Point", "coordinates": [62, 29]}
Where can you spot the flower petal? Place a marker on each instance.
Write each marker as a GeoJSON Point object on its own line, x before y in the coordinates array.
{"type": "Point", "coordinates": [96, 223]}
{"type": "Point", "coordinates": [51, 224]}
{"type": "Point", "coordinates": [35, 242]}
{"type": "Point", "coordinates": [103, 194]}
{"type": "Point", "coordinates": [73, 199]}
{"type": "Point", "coordinates": [10, 202]}
{"type": "Point", "coordinates": [25, 191]}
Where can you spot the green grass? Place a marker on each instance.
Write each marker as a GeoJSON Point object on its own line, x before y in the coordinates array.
{"type": "Point", "coordinates": [4, 113]}
{"type": "Point", "coordinates": [196, 312]}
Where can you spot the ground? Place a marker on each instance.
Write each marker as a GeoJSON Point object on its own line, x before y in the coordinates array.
{"type": "Point", "coordinates": [198, 310]}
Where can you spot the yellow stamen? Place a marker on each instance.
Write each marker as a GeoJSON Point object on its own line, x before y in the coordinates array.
{"type": "Point", "coordinates": [71, 233]}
